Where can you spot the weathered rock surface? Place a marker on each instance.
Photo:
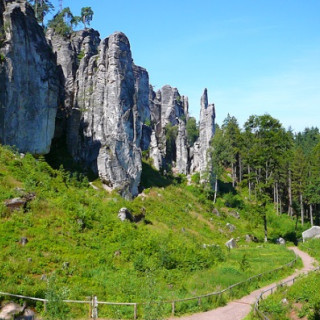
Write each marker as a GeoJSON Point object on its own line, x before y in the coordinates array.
{"type": "Point", "coordinates": [201, 157]}
{"type": "Point", "coordinates": [124, 214]}
{"type": "Point", "coordinates": [13, 310]}
{"type": "Point", "coordinates": [69, 52]}
{"type": "Point", "coordinates": [311, 233]}
{"type": "Point", "coordinates": [231, 244]}
{"type": "Point", "coordinates": [168, 107]}
{"type": "Point", "coordinates": [106, 130]}
{"type": "Point", "coordinates": [182, 157]}
{"type": "Point", "coordinates": [29, 82]}
{"type": "Point", "coordinates": [281, 241]}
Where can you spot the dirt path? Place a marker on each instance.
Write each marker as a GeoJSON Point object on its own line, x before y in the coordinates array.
{"type": "Point", "coordinates": [238, 309]}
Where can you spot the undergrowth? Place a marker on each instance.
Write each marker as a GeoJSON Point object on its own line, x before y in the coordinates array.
{"type": "Point", "coordinates": [176, 251]}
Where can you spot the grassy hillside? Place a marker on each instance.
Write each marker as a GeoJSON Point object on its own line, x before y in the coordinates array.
{"type": "Point", "coordinates": [302, 300]}
{"type": "Point", "coordinates": [74, 233]}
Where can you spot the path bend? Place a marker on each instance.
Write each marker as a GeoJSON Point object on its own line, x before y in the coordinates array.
{"type": "Point", "coordinates": [238, 309]}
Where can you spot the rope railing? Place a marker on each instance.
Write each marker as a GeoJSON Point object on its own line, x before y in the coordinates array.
{"type": "Point", "coordinates": [271, 290]}
{"type": "Point", "coordinates": [93, 303]}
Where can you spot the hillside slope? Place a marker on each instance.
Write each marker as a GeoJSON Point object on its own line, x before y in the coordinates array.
{"type": "Point", "coordinates": [72, 231]}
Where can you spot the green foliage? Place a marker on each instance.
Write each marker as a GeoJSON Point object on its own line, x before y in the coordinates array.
{"type": "Point", "coordinates": [171, 133]}
{"type": "Point", "coordinates": [63, 22]}
{"type": "Point", "coordinates": [74, 232]}
{"type": "Point", "coordinates": [86, 16]}
{"type": "Point", "coordinates": [80, 55]}
{"type": "Point", "coordinates": [41, 8]}
{"type": "Point", "coordinates": [192, 130]}
{"type": "Point", "coordinates": [56, 309]}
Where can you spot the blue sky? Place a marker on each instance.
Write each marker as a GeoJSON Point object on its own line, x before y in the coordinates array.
{"type": "Point", "coordinates": [254, 56]}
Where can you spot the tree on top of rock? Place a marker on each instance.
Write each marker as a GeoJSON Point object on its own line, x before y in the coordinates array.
{"type": "Point", "coordinates": [86, 16]}
{"type": "Point", "coordinates": [63, 22]}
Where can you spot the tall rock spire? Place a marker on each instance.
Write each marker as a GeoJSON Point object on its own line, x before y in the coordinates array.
{"type": "Point", "coordinates": [201, 158]}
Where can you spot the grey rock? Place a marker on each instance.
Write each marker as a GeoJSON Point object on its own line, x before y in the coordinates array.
{"type": "Point", "coordinates": [200, 155]}
{"type": "Point", "coordinates": [230, 227]}
{"type": "Point", "coordinates": [13, 310]}
{"type": "Point", "coordinates": [44, 277]}
{"type": "Point", "coordinates": [106, 130]}
{"type": "Point", "coordinates": [216, 212]}
{"type": "Point", "coordinates": [235, 214]}
{"type": "Point", "coordinates": [15, 203]}
{"type": "Point", "coordinates": [29, 82]}
{"type": "Point", "coordinates": [23, 241]}
{"type": "Point", "coordinates": [65, 265]}
{"type": "Point", "coordinates": [181, 148]}
{"type": "Point", "coordinates": [231, 244]}
{"type": "Point", "coordinates": [248, 238]}
{"type": "Point", "coordinates": [313, 232]}
{"type": "Point", "coordinates": [69, 52]}
{"type": "Point", "coordinates": [29, 260]}
{"type": "Point", "coordinates": [281, 241]}
{"type": "Point", "coordinates": [167, 106]}
{"type": "Point", "coordinates": [124, 214]}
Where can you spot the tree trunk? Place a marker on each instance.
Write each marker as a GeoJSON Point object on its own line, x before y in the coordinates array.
{"type": "Point", "coordinates": [265, 228]}
{"type": "Point", "coordinates": [311, 215]}
{"type": "Point", "coordinates": [290, 208]}
{"type": "Point", "coordinates": [215, 190]}
{"type": "Point", "coordinates": [249, 182]}
{"type": "Point", "coordinates": [232, 175]}
{"type": "Point", "coordinates": [240, 169]}
{"type": "Point", "coordinates": [301, 206]}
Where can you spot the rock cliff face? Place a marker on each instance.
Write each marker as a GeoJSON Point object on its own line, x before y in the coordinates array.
{"type": "Point", "coordinates": [201, 157]}
{"type": "Point", "coordinates": [29, 81]}
{"type": "Point", "coordinates": [109, 123]}
{"type": "Point", "coordinates": [108, 113]}
{"type": "Point", "coordinates": [168, 109]}
{"type": "Point", "coordinates": [69, 52]}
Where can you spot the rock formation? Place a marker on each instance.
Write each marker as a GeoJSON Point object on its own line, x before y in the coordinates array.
{"type": "Point", "coordinates": [200, 156]}
{"type": "Point", "coordinates": [108, 113]}
{"type": "Point", "coordinates": [29, 81]}
{"type": "Point", "coordinates": [168, 109]}
{"type": "Point", "coordinates": [69, 52]}
{"type": "Point", "coordinates": [109, 126]}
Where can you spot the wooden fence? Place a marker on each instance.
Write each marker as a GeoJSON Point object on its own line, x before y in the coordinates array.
{"type": "Point", "coordinates": [258, 312]}
{"type": "Point", "coordinates": [94, 302]}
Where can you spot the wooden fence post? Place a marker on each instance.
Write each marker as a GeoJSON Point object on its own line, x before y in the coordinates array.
{"type": "Point", "coordinates": [173, 308]}
{"type": "Point", "coordinates": [135, 312]}
{"type": "Point", "coordinates": [94, 307]}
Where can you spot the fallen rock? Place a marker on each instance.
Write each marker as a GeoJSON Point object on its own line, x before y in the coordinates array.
{"type": "Point", "coordinates": [231, 244]}
{"type": "Point", "coordinates": [15, 203]}
{"type": "Point", "coordinates": [311, 233]}
{"type": "Point", "coordinates": [23, 241]}
{"type": "Point", "coordinates": [216, 212]}
{"type": "Point", "coordinates": [231, 227]}
{"type": "Point", "coordinates": [13, 310]}
{"type": "Point", "coordinates": [248, 238]}
{"type": "Point", "coordinates": [124, 214]}
{"type": "Point", "coordinates": [235, 214]}
{"type": "Point", "coordinates": [281, 241]}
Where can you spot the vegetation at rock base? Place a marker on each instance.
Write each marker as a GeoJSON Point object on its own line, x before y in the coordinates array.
{"type": "Point", "coordinates": [73, 232]}
{"type": "Point", "coordinates": [192, 130]}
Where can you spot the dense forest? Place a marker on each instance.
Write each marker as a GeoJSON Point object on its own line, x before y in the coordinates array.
{"type": "Point", "coordinates": [274, 163]}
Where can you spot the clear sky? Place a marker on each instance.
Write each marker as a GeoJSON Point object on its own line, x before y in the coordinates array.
{"type": "Point", "coordinates": [254, 56]}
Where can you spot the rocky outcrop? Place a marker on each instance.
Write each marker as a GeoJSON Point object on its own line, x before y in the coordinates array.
{"type": "Point", "coordinates": [106, 130]}
{"type": "Point", "coordinates": [142, 101]}
{"type": "Point", "coordinates": [69, 52]}
{"type": "Point", "coordinates": [167, 108]}
{"type": "Point", "coordinates": [200, 156]}
{"type": "Point", "coordinates": [182, 158]}
{"type": "Point", "coordinates": [29, 81]}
